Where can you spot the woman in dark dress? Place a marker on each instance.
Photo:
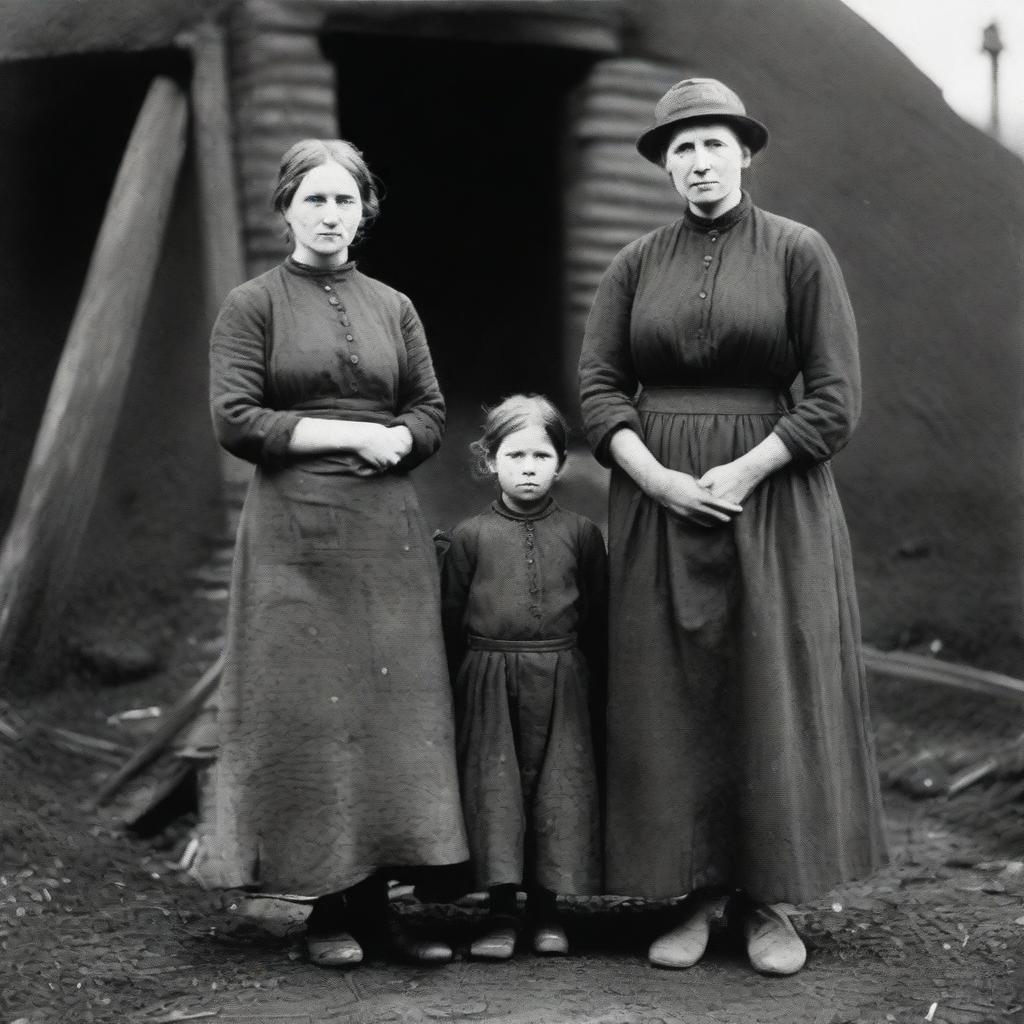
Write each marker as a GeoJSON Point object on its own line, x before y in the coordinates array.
{"type": "Point", "coordinates": [337, 740]}
{"type": "Point", "coordinates": [740, 760]}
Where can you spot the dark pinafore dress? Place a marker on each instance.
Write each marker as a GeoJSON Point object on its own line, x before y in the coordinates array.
{"type": "Point", "coordinates": [523, 597]}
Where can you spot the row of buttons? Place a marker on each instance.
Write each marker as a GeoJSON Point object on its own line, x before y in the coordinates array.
{"type": "Point", "coordinates": [708, 259]}
{"type": "Point", "coordinates": [534, 586]}
{"type": "Point", "coordinates": [343, 317]}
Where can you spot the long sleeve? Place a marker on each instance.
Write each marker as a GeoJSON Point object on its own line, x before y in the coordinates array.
{"type": "Point", "coordinates": [242, 421]}
{"type": "Point", "coordinates": [607, 377]}
{"type": "Point", "coordinates": [825, 332]}
{"type": "Point", "coordinates": [421, 406]}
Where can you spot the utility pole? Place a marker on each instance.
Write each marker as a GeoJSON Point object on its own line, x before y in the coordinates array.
{"type": "Point", "coordinates": [993, 46]}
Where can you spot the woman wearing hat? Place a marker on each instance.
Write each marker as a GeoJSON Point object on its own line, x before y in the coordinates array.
{"type": "Point", "coordinates": [740, 762]}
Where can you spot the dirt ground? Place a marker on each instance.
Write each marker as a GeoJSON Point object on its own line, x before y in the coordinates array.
{"type": "Point", "coordinates": [98, 926]}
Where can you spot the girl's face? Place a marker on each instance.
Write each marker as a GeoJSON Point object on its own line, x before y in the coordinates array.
{"type": "Point", "coordinates": [324, 215]}
{"type": "Point", "coordinates": [526, 464]}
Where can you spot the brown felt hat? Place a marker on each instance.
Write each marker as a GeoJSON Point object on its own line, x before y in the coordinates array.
{"type": "Point", "coordinates": [699, 99]}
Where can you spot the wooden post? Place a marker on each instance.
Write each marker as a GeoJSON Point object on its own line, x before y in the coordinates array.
{"type": "Point", "coordinates": [993, 46]}
{"type": "Point", "coordinates": [213, 136]}
{"type": "Point", "coordinates": [85, 399]}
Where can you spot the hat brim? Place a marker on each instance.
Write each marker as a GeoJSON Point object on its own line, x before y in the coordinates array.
{"type": "Point", "coordinates": [651, 144]}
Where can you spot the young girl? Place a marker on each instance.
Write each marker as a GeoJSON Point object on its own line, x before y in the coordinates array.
{"type": "Point", "coordinates": [523, 598]}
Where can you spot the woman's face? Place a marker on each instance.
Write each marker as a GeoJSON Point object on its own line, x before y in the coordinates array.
{"type": "Point", "coordinates": [706, 163]}
{"type": "Point", "coordinates": [526, 464]}
{"type": "Point", "coordinates": [324, 215]}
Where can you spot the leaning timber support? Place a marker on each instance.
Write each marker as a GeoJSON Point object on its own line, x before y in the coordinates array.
{"type": "Point", "coordinates": [183, 712]}
{"type": "Point", "coordinates": [81, 414]}
{"type": "Point", "coordinates": [917, 668]}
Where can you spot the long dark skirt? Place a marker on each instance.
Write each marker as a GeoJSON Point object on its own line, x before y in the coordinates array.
{"type": "Point", "coordinates": [526, 764]}
{"type": "Point", "coordinates": [739, 753]}
{"type": "Point", "coordinates": [337, 743]}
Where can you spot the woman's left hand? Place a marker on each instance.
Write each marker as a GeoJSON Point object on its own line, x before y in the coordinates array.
{"type": "Point", "coordinates": [731, 481]}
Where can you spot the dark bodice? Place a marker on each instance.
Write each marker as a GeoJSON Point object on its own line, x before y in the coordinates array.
{"type": "Point", "coordinates": [513, 576]}
{"type": "Point", "coordinates": [334, 344]}
{"type": "Point", "coordinates": [748, 300]}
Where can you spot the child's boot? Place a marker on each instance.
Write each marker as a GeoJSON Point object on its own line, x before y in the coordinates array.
{"type": "Point", "coordinates": [497, 939]}
{"type": "Point", "coordinates": [549, 938]}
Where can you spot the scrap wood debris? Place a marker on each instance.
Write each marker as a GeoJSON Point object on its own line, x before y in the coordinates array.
{"type": "Point", "coordinates": [935, 772]}
{"type": "Point", "coordinates": [13, 727]}
{"type": "Point", "coordinates": [90, 746]}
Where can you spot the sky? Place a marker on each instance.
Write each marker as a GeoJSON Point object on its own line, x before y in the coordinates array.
{"type": "Point", "coordinates": [943, 38]}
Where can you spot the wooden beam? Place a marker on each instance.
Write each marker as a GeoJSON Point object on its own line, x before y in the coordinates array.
{"type": "Point", "coordinates": [213, 136]}
{"type": "Point", "coordinates": [213, 133]}
{"type": "Point", "coordinates": [183, 712]}
{"type": "Point", "coordinates": [917, 668]}
{"type": "Point", "coordinates": [81, 414]}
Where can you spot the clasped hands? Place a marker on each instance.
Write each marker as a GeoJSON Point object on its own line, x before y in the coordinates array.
{"type": "Point", "coordinates": [381, 447]}
{"type": "Point", "coordinates": [716, 497]}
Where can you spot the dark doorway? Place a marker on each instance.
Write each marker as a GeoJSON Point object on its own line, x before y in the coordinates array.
{"type": "Point", "coordinates": [64, 122]}
{"type": "Point", "coordinates": [64, 126]}
{"type": "Point", "coordinates": [468, 139]}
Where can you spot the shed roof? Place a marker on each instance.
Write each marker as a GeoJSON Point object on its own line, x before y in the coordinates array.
{"type": "Point", "coordinates": [47, 28]}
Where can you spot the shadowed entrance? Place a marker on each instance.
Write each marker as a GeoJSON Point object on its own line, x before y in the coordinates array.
{"type": "Point", "coordinates": [468, 138]}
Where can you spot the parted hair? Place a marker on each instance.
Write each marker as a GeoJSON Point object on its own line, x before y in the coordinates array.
{"type": "Point", "coordinates": [306, 154]}
{"type": "Point", "coordinates": [512, 414]}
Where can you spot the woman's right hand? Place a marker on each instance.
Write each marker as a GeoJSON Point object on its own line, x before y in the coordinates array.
{"type": "Point", "coordinates": [681, 494]}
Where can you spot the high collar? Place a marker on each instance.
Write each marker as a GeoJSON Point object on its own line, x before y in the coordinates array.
{"type": "Point", "coordinates": [305, 270]}
{"type": "Point", "coordinates": [723, 223]}
{"type": "Point", "coordinates": [542, 512]}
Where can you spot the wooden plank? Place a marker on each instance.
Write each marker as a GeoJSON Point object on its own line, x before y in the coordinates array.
{"type": "Point", "coordinates": [213, 135]}
{"type": "Point", "coordinates": [917, 668]}
{"type": "Point", "coordinates": [85, 399]}
{"type": "Point", "coordinates": [177, 718]}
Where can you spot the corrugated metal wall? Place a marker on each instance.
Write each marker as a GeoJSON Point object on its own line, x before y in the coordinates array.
{"type": "Point", "coordinates": [613, 194]}
{"type": "Point", "coordinates": [283, 90]}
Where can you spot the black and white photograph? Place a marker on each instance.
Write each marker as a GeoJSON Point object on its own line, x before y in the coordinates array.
{"type": "Point", "coordinates": [512, 512]}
